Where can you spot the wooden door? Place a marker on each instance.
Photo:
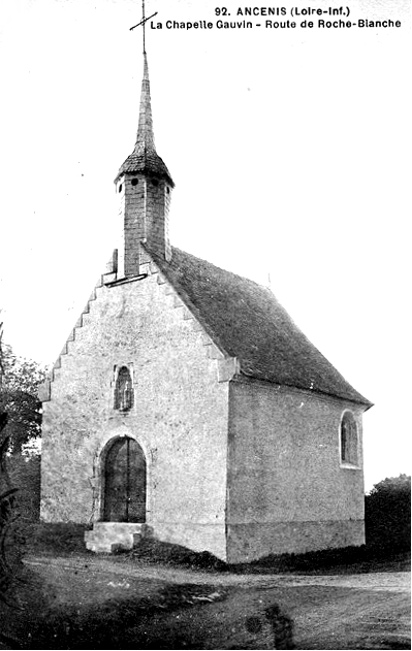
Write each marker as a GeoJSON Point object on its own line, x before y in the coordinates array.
{"type": "Point", "coordinates": [125, 482]}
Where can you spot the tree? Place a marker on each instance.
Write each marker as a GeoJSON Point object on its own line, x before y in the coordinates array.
{"type": "Point", "coordinates": [388, 514]}
{"type": "Point", "coordinates": [7, 492]}
{"type": "Point", "coordinates": [18, 587]}
{"type": "Point", "coordinates": [20, 437]}
{"type": "Point", "coordinates": [21, 379]}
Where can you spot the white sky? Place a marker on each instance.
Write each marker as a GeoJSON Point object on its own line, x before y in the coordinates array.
{"type": "Point", "coordinates": [289, 149]}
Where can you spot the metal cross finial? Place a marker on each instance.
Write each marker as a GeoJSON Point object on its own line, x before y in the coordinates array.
{"type": "Point", "coordinates": [143, 23]}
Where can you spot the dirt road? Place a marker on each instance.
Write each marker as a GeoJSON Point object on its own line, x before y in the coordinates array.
{"type": "Point", "coordinates": [376, 581]}
{"type": "Point", "coordinates": [96, 602]}
{"type": "Point", "coordinates": [181, 608]}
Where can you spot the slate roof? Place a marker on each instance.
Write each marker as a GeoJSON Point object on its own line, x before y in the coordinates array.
{"type": "Point", "coordinates": [145, 161]}
{"type": "Point", "coordinates": [247, 321]}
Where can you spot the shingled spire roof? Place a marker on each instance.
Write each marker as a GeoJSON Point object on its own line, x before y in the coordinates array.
{"type": "Point", "coordinates": [144, 158]}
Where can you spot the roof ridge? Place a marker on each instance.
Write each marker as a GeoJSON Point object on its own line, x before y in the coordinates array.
{"type": "Point", "coordinates": [226, 271]}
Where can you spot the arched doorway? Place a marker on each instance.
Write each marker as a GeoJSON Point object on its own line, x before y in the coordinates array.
{"type": "Point", "coordinates": [124, 482]}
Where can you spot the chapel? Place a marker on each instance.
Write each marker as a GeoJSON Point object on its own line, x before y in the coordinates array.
{"type": "Point", "coordinates": [188, 407]}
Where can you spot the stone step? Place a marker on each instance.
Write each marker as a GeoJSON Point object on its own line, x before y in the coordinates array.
{"type": "Point", "coordinates": [110, 537]}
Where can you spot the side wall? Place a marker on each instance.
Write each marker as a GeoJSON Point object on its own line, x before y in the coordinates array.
{"type": "Point", "coordinates": [288, 491]}
{"type": "Point", "coordinates": [179, 417]}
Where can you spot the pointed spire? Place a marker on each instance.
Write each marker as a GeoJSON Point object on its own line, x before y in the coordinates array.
{"type": "Point", "coordinates": [144, 158]}
{"type": "Point", "coordinates": [145, 136]}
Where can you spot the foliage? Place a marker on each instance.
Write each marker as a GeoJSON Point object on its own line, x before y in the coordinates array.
{"type": "Point", "coordinates": [20, 410]}
{"type": "Point", "coordinates": [18, 398]}
{"type": "Point", "coordinates": [388, 514]}
{"type": "Point", "coordinates": [392, 488]}
{"type": "Point", "coordinates": [7, 495]}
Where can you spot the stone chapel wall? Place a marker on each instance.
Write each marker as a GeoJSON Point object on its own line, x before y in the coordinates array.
{"type": "Point", "coordinates": [179, 415]}
{"type": "Point", "coordinates": [289, 491]}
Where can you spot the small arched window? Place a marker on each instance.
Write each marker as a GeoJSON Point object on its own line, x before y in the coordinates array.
{"type": "Point", "coordinates": [123, 394]}
{"type": "Point", "coordinates": [349, 439]}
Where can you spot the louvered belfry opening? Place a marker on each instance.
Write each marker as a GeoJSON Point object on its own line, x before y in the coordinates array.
{"type": "Point", "coordinates": [124, 498]}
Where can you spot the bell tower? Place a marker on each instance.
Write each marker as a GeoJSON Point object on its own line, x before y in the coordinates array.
{"type": "Point", "coordinates": [143, 185]}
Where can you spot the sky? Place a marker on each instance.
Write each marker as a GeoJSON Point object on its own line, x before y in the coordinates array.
{"type": "Point", "coordinates": [290, 150]}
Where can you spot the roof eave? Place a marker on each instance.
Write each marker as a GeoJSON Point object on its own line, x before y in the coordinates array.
{"type": "Point", "coordinates": [243, 374]}
{"type": "Point", "coordinates": [146, 171]}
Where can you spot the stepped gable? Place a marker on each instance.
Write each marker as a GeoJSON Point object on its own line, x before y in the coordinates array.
{"type": "Point", "coordinates": [250, 324]}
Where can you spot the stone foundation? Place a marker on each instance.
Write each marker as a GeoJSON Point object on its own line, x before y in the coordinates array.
{"type": "Point", "coordinates": [249, 542]}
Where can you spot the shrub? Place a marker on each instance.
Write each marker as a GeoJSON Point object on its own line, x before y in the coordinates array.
{"type": "Point", "coordinates": [388, 514]}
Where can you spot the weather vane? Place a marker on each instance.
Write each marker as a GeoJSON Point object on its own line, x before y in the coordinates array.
{"type": "Point", "coordinates": [143, 23]}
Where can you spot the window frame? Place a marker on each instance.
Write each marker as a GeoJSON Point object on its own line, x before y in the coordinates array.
{"type": "Point", "coordinates": [349, 446]}
{"type": "Point", "coordinates": [117, 406]}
